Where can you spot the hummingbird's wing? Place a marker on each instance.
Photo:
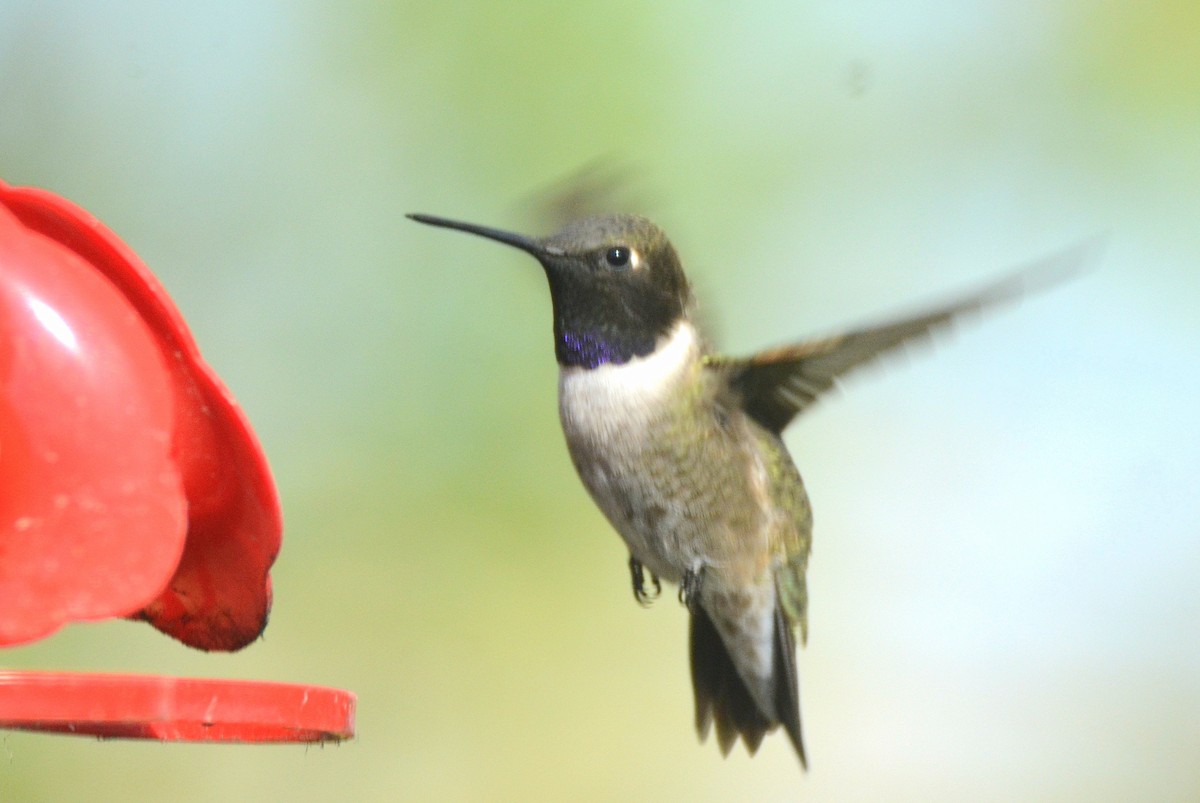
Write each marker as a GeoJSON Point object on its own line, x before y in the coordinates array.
{"type": "Point", "coordinates": [600, 186]}
{"type": "Point", "coordinates": [775, 385]}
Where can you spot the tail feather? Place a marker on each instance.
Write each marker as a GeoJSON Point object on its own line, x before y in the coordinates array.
{"type": "Point", "coordinates": [723, 699]}
{"type": "Point", "coordinates": [787, 684]}
{"type": "Point", "coordinates": [721, 695]}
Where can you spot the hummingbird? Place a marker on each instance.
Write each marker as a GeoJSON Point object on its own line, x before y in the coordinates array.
{"type": "Point", "coordinates": [681, 449]}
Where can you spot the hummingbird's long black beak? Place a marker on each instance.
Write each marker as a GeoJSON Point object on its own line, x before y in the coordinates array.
{"type": "Point", "coordinates": [527, 244]}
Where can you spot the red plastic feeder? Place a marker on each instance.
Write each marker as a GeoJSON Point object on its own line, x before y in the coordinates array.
{"type": "Point", "coordinates": [174, 709]}
{"type": "Point", "coordinates": [131, 485]}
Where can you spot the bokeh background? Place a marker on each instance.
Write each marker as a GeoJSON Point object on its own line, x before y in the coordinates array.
{"type": "Point", "coordinates": [1004, 593]}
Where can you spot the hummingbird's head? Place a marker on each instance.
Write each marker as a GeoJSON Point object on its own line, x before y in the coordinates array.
{"type": "Point", "coordinates": [615, 280]}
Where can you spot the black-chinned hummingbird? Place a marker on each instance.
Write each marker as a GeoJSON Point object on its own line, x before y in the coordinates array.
{"type": "Point", "coordinates": [681, 449]}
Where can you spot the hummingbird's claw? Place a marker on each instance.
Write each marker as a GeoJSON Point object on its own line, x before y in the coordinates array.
{"type": "Point", "coordinates": [639, 583]}
{"type": "Point", "coordinates": [689, 587]}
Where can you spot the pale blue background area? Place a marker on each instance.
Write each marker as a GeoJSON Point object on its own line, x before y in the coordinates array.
{"type": "Point", "coordinates": [1005, 600]}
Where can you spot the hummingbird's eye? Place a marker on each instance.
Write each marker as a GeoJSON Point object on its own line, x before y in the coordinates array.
{"type": "Point", "coordinates": [619, 256]}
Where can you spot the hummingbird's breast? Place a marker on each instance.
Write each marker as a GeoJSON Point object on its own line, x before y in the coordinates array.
{"type": "Point", "coordinates": [680, 476]}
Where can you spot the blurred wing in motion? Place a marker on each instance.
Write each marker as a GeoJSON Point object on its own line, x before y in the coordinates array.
{"type": "Point", "coordinates": [774, 386]}
{"type": "Point", "coordinates": [604, 185]}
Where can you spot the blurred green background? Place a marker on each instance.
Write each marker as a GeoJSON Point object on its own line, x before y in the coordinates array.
{"type": "Point", "coordinates": [1004, 584]}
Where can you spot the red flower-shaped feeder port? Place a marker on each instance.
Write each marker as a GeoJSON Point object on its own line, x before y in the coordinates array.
{"type": "Point", "coordinates": [131, 485]}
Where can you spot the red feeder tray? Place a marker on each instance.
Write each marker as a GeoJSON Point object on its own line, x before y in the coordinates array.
{"type": "Point", "coordinates": [173, 709]}
{"type": "Point", "coordinates": [131, 485]}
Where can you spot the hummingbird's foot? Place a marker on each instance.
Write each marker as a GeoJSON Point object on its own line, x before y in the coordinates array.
{"type": "Point", "coordinates": [689, 587]}
{"type": "Point", "coordinates": [639, 583]}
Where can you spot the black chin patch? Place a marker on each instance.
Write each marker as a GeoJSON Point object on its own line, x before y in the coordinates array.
{"type": "Point", "coordinates": [593, 349]}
